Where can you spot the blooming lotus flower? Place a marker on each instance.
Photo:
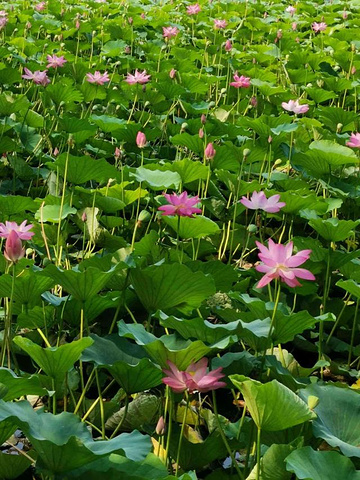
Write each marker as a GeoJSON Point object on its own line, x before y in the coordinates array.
{"type": "Point", "coordinates": [180, 205]}
{"type": "Point", "coordinates": [279, 262]}
{"type": "Point", "coordinates": [354, 141]}
{"type": "Point", "coordinates": [319, 27]}
{"type": "Point", "coordinates": [22, 230]}
{"type": "Point", "coordinates": [193, 9]}
{"type": "Point", "coordinates": [259, 201]}
{"type": "Point", "coordinates": [169, 32]}
{"type": "Point", "coordinates": [55, 61]}
{"type": "Point", "coordinates": [210, 151]}
{"type": "Point", "coordinates": [141, 140]}
{"type": "Point", "coordinates": [3, 22]}
{"type": "Point", "coordinates": [194, 379]}
{"type": "Point", "coordinates": [295, 107]}
{"type": "Point", "coordinates": [219, 24]}
{"type": "Point", "coordinates": [40, 78]}
{"type": "Point", "coordinates": [290, 9]}
{"type": "Point", "coordinates": [240, 82]}
{"type": "Point", "coordinates": [40, 6]}
{"type": "Point", "coordinates": [98, 78]}
{"type": "Point", "coordinates": [138, 77]}
{"type": "Point", "coordinates": [14, 250]}
{"type": "Point", "coordinates": [228, 46]}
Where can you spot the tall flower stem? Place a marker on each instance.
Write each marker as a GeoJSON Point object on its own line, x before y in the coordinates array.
{"type": "Point", "coordinates": [182, 433]}
{"type": "Point", "coordinates": [353, 331]}
{"type": "Point", "coordinates": [224, 439]}
{"type": "Point", "coordinates": [6, 346]}
{"type": "Point", "coordinates": [258, 454]}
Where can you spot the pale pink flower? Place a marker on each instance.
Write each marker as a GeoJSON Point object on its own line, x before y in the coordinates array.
{"type": "Point", "coordinates": [279, 262]}
{"type": "Point", "coordinates": [354, 141]}
{"type": "Point", "coordinates": [160, 426]}
{"type": "Point", "coordinates": [172, 73]}
{"type": "Point", "coordinates": [3, 22]}
{"type": "Point", "coordinates": [55, 61]}
{"type": "Point", "coordinates": [291, 10]}
{"type": "Point", "coordinates": [279, 34]}
{"type": "Point", "coordinates": [219, 24]}
{"type": "Point", "coordinates": [3, 13]}
{"type": "Point", "coordinates": [138, 77]}
{"type": "Point", "coordinates": [295, 107]}
{"type": "Point", "coordinates": [194, 379]}
{"type": "Point", "coordinates": [240, 82]}
{"type": "Point", "coordinates": [210, 151]}
{"type": "Point", "coordinates": [143, 15]}
{"type": "Point", "coordinates": [258, 201]}
{"type": "Point", "coordinates": [141, 140]}
{"type": "Point", "coordinates": [228, 46]}
{"type": "Point", "coordinates": [117, 153]}
{"type": "Point", "coordinates": [203, 118]}
{"type": "Point", "coordinates": [98, 78]}
{"type": "Point", "coordinates": [319, 27]}
{"type": "Point", "coordinates": [294, 26]}
{"type": "Point", "coordinates": [344, 15]}
{"type": "Point", "coordinates": [353, 70]}
{"type": "Point", "coordinates": [180, 205]}
{"type": "Point", "coordinates": [253, 102]}
{"type": "Point", "coordinates": [40, 6]}
{"type": "Point", "coordinates": [130, 20]}
{"type": "Point", "coordinates": [193, 9]}
{"type": "Point", "coordinates": [56, 152]}
{"type": "Point", "coordinates": [77, 24]}
{"type": "Point", "coordinates": [40, 78]}
{"type": "Point", "coordinates": [13, 247]}
{"type": "Point", "coordinates": [201, 133]}
{"type": "Point", "coordinates": [169, 32]}
{"type": "Point", "coordinates": [22, 230]}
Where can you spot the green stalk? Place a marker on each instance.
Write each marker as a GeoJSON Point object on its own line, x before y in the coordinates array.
{"type": "Point", "coordinates": [181, 434]}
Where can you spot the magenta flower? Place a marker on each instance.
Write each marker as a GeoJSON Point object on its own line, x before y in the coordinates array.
{"type": "Point", "coordinates": [40, 78]}
{"type": "Point", "coordinates": [181, 205]}
{"type": "Point", "coordinates": [194, 379]}
{"type": "Point", "coordinates": [279, 262]}
{"type": "Point", "coordinates": [228, 46]}
{"type": "Point", "coordinates": [40, 6]}
{"type": "Point", "coordinates": [319, 27]}
{"type": "Point", "coordinates": [138, 77]}
{"type": "Point", "coordinates": [295, 107]}
{"type": "Point", "coordinates": [55, 61]}
{"type": "Point", "coordinates": [354, 141]}
{"type": "Point", "coordinates": [13, 247]}
{"type": "Point", "coordinates": [210, 151]}
{"type": "Point", "coordinates": [98, 78]}
{"type": "Point", "coordinates": [259, 201]}
{"type": "Point", "coordinates": [141, 140]}
{"type": "Point", "coordinates": [193, 9]}
{"type": "Point", "coordinates": [169, 32]}
{"type": "Point", "coordinates": [22, 230]}
{"type": "Point", "coordinates": [219, 24]}
{"type": "Point", "coordinates": [240, 82]}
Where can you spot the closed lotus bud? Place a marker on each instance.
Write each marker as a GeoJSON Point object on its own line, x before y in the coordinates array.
{"type": "Point", "coordinates": [210, 151]}
{"type": "Point", "coordinates": [77, 24]}
{"type": "Point", "coordinates": [228, 46]}
{"type": "Point", "coordinates": [172, 73]}
{"type": "Point", "coordinates": [141, 140]}
{"type": "Point", "coordinates": [253, 101]}
{"type": "Point", "coordinates": [353, 71]}
{"type": "Point", "coordinates": [117, 153]}
{"type": "Point", "coordinates": [184, 126]}
{"type": "Point", "coordinates": [84, 217]}
{"type": "Point", "coordinates": [252, 228]}
{"type": "Point", "coordinates": [339, 126]}
{"type": "Point", "coordinates": [56, 151]}
{"type": "Point", "coordinates": [246, 152]}
{"type": "Point", "coordinates": [203, 119]}
{"type": "Point", "coordinates": [312, 401]}
{"type": "Point", "coordinates": [270, 139]}
{"type": "Point", "coordinates": [201, 133]}
{"type": "Point", "coordinates": [14, 250]}
{"type": "Point", "coordinates": [277, 162]}
{"type": "Point", "coordinates": [160, 426]}
{"type": "Point", "coordinates": [144, 216]}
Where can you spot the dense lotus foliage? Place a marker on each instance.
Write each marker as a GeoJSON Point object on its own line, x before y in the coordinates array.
{"type": "Point", "coordinates": [179, 226]}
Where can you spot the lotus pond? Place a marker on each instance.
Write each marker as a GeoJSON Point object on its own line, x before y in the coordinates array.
{"type": "Point", "coordinates": [179, 266]}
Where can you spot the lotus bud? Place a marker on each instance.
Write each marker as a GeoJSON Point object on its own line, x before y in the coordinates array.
{"type": "Point", "coordinates": [339, 126]}
{"type": "Point", "coordinates": [210, 151]}
{"type": "Point", "coordinates": [141, 140]}
{"type": "Point", "coordinates": [160, 426]}
{"type": "Point", "coordinates": [203, 119]}
{"type": "Point", "coordinates": [184, 126]}
{"type": "Point", "coordinates": [172, 73]}
{"type": "Point", "coordinates": [252, 228]}
{"type": "Point", "coordinates": [14, 250]}
{"type": "Point", "coordinates": [201, 133]}
{"type": "Point", "coordinates": [246, 152]}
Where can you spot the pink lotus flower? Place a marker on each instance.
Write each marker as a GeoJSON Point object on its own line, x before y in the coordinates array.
{"type": "Point", "coordinates": [3, 22]}
{"type": "Point", "coordinates": [22, 230]}
{"type": "Point", "coordinates": [210, 151]}
{"type": "Point", "coordinates": [219, 24]}
{"type": "Point", "coordinates": [40, 6]}
{"type": "Point", "coordinates": [40, 78]}
{"type": "Point", "coordinates": [169, 32]}
{"type": "Point", "coordinates": [117, 153]}
{"type": "Point", "coordinates": [194, 379]}
{"type": "Point", "coordinates": [279, 262]}
{"type": "Point", "coordinates": [319, 27]}
{"type": "Point", "coordinates": [203, 118]}
{"type": "Point", "coordinates": [193, 9]}
{"type": "Point", "coordinates": [172, 73]}
{"type": "Point", "coordinates": [141, 140]}
{"type": "Point", "coordinates": [259, 201]}
{"type": "Point", "coordinates": [138, 77]}
{"type": "Point", "coordinates": [240, 82]}
{"type": "Point", "coordinates": [354, 141]}
{"type": "Point", "coordinates": [295, 107]}
{"type": "Point", "coordinates": [55, 61]}
{"type": "Point", "coordinates": [290, 9]}
{"type": "Point", "coordinates": [228, 46]}
{"type": "Point", "coordinates": [98, 78]}
{"type": "Point", "coordinates": [77, 24]}
{"type": "Point", "coordinates": [181, 205]}
{"type": "Point", "coordinates": [344, 15]}
{"type": "Point", "coordinates": [201, 133]}
{"type": "Point", "coordinates": [13, 247]}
